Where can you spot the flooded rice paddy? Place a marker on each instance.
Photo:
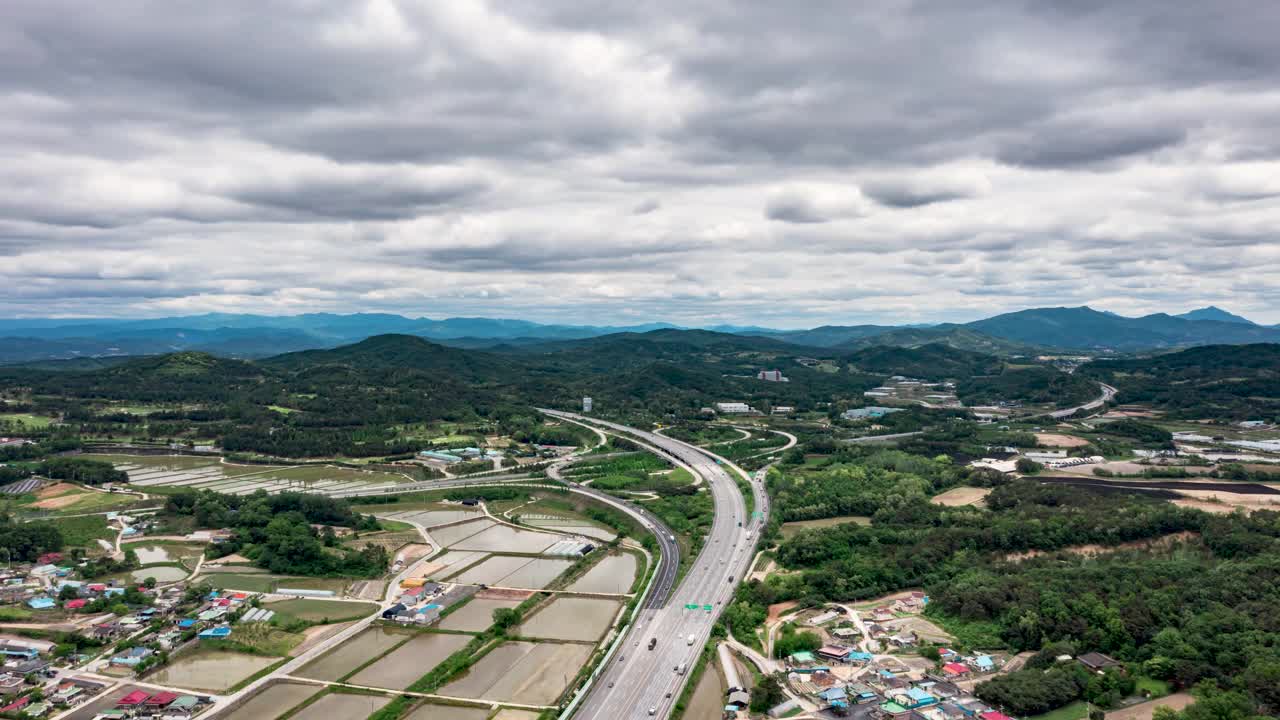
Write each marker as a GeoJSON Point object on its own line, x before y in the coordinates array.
{"type": "Point", "coordinates": [210, 670]}
{"type": "Point", "coordinates": [162, 573]}
{"type": "Point", "coordinates": [348, 656]}
{"type": "Point", "coordinates": [449, 712]}
{"type": "Point", "coordinates": [436, 515]}
{"type": "Point", "coordinates": [210, 473]}
{"type": "Point", "coordinates": [514, 572]}
{"type": "Point", "coordinates": [502, 538]}
{"type": "Point", "coordinates": [344, 706]}
{"type": "Point", "coordinates": [532, 673]}
{"type": "Point", "coordinates": [451, 535]}
{"type": "Point", "coordinates": [572, 618]}
{"type": "Point", "coordinates": [614, 574]}
{"type": "Point", "coordinates": [273, 702]}
{"type": "Point", "coordinates": [476, 615]}
{"type": "Point", "coordinates": [707, 702]}
{"type": "Point", "coordinates": [406, 664]}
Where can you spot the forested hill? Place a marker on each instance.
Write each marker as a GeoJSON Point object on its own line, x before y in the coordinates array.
{"type": "Point", "coordinates": [1215, 381]}
{"type": "Point", "coordinates": [362, 400]}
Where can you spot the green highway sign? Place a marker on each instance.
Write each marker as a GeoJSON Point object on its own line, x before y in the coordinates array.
{"type": "Point", "coordinates": [691, 606]}
{"type": "Point", "coordinates": [757, 514]}
{"type": "Point", "coordinates": [707, 608]}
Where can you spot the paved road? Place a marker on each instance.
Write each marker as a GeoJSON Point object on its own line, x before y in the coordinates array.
{"type": "Point", "coordinates": [638, 680]}
{"type": "Point", "coordinates": [1108, 392]}
{"type": "Point", "coordinates": [872, 439]}
{"type": "Point", "coordinates": [669, 551]}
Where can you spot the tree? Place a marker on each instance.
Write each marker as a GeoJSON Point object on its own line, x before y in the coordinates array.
{"type": "Point", "coordinates": [767, 694]}
{"type": "Point", "coordinates": [504, 618]}
{"type": "Point", "coordinates": [1027, 466]}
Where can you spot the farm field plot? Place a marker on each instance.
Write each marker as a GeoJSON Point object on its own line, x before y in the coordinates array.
{"type": "Point", "coordinates": [449, 563]}
{"type": "Point", "coordinates": [435, 516]}
{"type": "Point", "coordinates": [533, 673]}
{"type": "Point", "coordinates": [510, 571]}
{"type": "Point", "coordinates": [614, 574]}
{"type": "Point", "coordinates": [177, 471]}
{"type": "Point", "coordinates": [25, 421]}
{"type": "Point", "coordinates": [513, 714]}
{"type": "Point", "coordinates": [210, 670]}
{"type": "Point", "coordinates": [273, 701]}
{"type": "Point", "coordinates": [403, 666]}
{"type": "Point", "coordinates": [449, 712]}
{"type": "Point", "coordinates": [318, 610]}
{"type": "Point", "coordinates": [570, 525]}
{"type": "Point", "coordinates": [572, 618]}
{"type": "Point", "coordinates": [69, 498]}
{"type": "Point", "coordinates": [263, 582]}
{"type": "Point", "coordinates": [353, 653]}
{"type": "Point", "coordinates": [476, 615]}
{"type": "Point", "coordinates": [956, 497]}
{"type": "Point", "coordinates": [449, 536]}
{"type": "Point", "coordinates": [501, 538]}
{"type": "Point", "coordinates": [346, 706]}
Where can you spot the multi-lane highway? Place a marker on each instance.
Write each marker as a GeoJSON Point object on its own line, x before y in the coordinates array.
{"type": "Point", "coordinates": [639, 682]}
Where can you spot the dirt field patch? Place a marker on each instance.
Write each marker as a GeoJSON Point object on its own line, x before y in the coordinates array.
{"type": "Point", "coordinates": [957, 497]}
{"type": "Point", "coordinates": [1092, 550]}
{"type": "Point", "coordinates": [1144, 711]}
{"type": "Point", "coordinates": [1059, 440]}
{"type": "Point", "coordinates": [777, 610]}
{"type": "Point", "coordinates": [923, 629]}
{"type": "Point", "coordinates": [57, 496]}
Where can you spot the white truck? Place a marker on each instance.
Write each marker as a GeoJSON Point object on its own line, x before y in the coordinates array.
{"type": "Point", "coordinates": [681, 668]}
{"type": "Point", "coordinates": [691, 640]}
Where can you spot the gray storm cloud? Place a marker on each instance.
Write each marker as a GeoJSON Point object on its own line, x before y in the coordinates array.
{"type": "Point", "coordinates": [851, 162]}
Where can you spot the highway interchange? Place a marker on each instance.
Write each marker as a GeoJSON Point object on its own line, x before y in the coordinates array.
{"type": "Point", "coordinates": [638, 682]}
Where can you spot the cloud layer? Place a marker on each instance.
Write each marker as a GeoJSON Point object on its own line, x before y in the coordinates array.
{"type": "Point", "coordinates": [617, 162]}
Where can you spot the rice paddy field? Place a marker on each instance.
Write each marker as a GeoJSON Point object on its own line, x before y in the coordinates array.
{"type": "Point", "coordinates": [344, 659]}
{"type": "Point", "coordinates": [476, 615]}
{"type": "Point", "coordinates": [403, 666]}
{"type": "Point", "coordinates": [436, 514]}
{"type": "Point", "coordinates": [273, 701]}
{"type": "Point", "coordinates": [450, 712]}
{"type": "Point", "coordinates": [514, 572]}
{"type": "Point", "coordinates": [573, 526]}
{"type": "Point", "coordinates": [345, 706]}
{"type": "Point", "coordinates": [614, 574]}
{"type": "Point", "coordinates": [530, 673]}
{"type": "Point", "coordinates": [572, 618]}
{"type": "Point", "coordinates": [210, 670]}
{"type": "Point", "coordinates": [161, 473]}
{"type": "Point", "coordinates": [503, 538]}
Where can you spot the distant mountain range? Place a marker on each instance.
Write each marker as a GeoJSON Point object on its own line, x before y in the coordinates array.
{"type": "Point", "coordinates": [248, 336]}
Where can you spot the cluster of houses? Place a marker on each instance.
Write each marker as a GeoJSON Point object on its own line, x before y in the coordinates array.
{"type": "Point", "coordinates": [421, 601]}
{"type": "Point", "coordinates": [884, 689]}
{"type": "Point", "coordinates": [165, 705]}
{"type": "Point", "coordinates": [26, 668]}
{"type": "Point", "coordinates": [210, 621]}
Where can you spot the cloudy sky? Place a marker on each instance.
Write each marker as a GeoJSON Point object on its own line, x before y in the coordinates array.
{"type": "Point", "coordinates": [696, 161]}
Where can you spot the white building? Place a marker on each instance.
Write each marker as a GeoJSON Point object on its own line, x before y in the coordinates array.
{"type": "Point", "coordinates": [783, 410]}
{"type": "Point", "coordinates": [586, 404]}
{"type": "Point", "coordinates": [733, 407]}
{"type": "Point", "coordinates": [772, 376]}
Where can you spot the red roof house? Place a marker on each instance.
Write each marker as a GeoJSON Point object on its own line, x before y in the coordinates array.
{"type": "Point", "coordinates": [133, 699]}
{"type": "Point", "coordinates": [955, 668]}
{"type": "Point", "coordinates": [16, 704]}
{"type": "Point", "coordinates": [161, 699]}
{"type": "Point", "coordinates": [76, 604]}
{"type": "Point", "coordinates": [993, 715]}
